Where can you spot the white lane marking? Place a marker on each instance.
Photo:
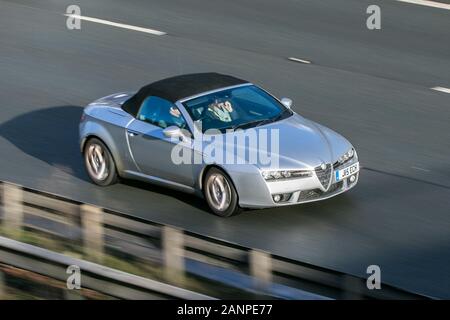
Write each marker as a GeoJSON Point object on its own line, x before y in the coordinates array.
{"type": "Point", "coordinates": [299, 60]}
{"type": "Point", "coordinates": [420, 169]}
{"type": "Point", "coordinates": [428, 3]}
{"type": "Point", "coordinates": [441, 89]}
{"type": "Point", "coordinates": [118, 25]}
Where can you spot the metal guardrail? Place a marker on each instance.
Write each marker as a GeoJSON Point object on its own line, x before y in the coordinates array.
{"type": "Point", "coordinates": [96, 277]}
{"type": "Point", "coordinates": [99, 230]}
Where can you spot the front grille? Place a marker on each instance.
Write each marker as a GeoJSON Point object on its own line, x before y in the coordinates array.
{"type": "Point", "coordinates": [324, 175]}
{"type": "Point", "coordinates": [336, 165]}
{"type": "Point", "coordinates": [335, 187]}
{"type": "Point", "coordinates": [309, 195]}
{"type": "Point", "coordinates": [317, 193]}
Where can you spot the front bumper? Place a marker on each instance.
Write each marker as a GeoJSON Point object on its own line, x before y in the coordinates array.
{"type": "Point", "coordinates": [304, 196]}
{"type": "Point", "coordinates": [299, 190]}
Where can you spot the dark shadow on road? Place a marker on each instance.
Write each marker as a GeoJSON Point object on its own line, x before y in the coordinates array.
{"type": "Point", "coordinates": [50, 135]}
{"type": "Point", "coordinates": [189, 199]}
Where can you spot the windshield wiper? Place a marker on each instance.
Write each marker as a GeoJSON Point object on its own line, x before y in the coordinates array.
{"type": "Point", "coordinates": [279, 116]}
{"type": "Point", "coordinates": [260, 122]}
{"type": "Point", "coordinates": [274, 119]}
{"type": "Point", "coordinates": [245, 124]}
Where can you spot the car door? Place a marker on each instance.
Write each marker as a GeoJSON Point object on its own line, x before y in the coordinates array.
{"type": "Point", "coordinates": [151, 149]}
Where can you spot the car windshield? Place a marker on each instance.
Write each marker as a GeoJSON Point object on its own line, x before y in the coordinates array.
{"type": "Point", "coordinates": [236, 108]}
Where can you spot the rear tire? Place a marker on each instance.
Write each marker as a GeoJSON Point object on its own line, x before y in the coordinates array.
{"type": "Point", "coordinates": [99, 163]}
{"type": "Point", "coordinates": [220, 193]}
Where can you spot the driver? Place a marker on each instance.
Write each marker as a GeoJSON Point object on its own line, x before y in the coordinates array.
{"type": "Point", "coordinates": [221, 110]}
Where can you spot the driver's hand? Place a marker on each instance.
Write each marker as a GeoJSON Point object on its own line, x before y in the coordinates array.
{"type": "Point", "coordinates": [227, 106]}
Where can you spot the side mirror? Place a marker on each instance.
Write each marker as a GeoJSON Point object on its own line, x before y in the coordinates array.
{"type": "Point", "coordinates": [173, 132]}
{"type": "Point", "coordinates": [287, 102]}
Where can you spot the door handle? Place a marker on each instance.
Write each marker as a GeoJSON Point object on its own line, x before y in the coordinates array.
{"type": "Point", "coordinates": [132, 133]}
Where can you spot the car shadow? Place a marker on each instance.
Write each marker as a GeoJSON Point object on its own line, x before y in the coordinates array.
{"type": "Point", "coordinates": [51, 135]}
{"type": "Point", "coordinates": [189, 199]}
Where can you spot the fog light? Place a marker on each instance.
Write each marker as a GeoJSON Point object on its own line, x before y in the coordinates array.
{"type": "Point", "coordinates": [277, 198]}
{"type": "Point", "coordinates": [352, 178]}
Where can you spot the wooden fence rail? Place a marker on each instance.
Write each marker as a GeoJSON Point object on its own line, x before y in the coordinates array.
{"type": "Point", "coordinates": [99, 230]}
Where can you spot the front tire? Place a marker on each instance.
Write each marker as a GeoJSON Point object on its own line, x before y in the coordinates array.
{"type": "Point", "coordinates": [220, 193]}
{"type": "Point", "coordinates": [99, 163]}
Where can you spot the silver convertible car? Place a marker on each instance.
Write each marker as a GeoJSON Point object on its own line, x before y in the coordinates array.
{"type": "Point", "coordinates": [219, 137]}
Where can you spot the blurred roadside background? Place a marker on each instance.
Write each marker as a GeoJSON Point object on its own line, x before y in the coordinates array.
{"type": "Point", "coordinates": [55, 248]}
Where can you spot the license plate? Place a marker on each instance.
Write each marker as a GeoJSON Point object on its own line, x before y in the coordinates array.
{"type": "Point", "coordinates": [346, 172]}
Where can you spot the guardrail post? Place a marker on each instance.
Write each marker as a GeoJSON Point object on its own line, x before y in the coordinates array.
{"type": "Point", "coordinates": [351, 288]}
{"type": "Point", "coordinates": [93, 233]}
{"type": "Point", "coordinates": [12, 209]}
{"type": "Point", "coordinates": [2, 285]}
{"type": "Point", "coordinates": [173, 253]}
{"type": "Point", "coordinates": [260, 264]}
{"type": "Point", "coordinates": [72, 295]}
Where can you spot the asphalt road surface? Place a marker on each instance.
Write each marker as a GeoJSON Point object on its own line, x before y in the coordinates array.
{"type": "Point", "coordinates": [373, 86]}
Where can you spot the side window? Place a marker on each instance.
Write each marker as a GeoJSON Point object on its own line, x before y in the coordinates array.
{"type": "Point", "coordinates": [161, 113]}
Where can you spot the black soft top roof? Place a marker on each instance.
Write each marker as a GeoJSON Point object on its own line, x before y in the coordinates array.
{"type": "Point", "coordinates": [179, 87]}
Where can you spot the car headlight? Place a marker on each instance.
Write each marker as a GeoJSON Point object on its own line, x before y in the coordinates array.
{"type": "Point", "coordinates": [347, 156]}
{"type": "Point", "coordinates": [286, 174]}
